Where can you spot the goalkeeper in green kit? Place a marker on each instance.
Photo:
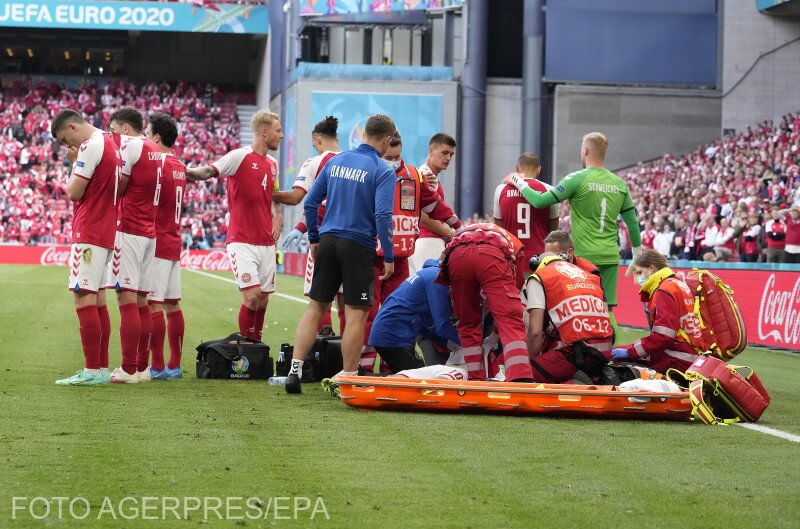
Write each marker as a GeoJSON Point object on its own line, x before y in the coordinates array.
{"type": "Point", "coordinates": [596, 197]}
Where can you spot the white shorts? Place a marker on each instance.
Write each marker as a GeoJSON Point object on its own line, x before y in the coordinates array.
{"type": "Point", "coordinates": [165, 281]}
{"type": "Point", "coordinates": [443, 372]}
{"type": "Point", "coordinates": [253, 266]}
{"type": "Point", "coordinates": [310, 275]}
{"type": "Point", "coordinates": [424, 249]}
{"type": "Point", "coordinates": [87, 267]}
{"type": "Point", "coordinates": [129, 269]}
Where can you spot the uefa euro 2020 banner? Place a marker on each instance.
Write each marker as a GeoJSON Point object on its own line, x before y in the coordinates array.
{"type": "Point", "coordinates": [417, 117]}
{"type": "Point", "coordinates": [338, 7]}
{"type": "Point", "coordinates": [141, 16]}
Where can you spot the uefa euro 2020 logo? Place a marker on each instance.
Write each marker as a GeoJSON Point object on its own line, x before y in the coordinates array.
{"type": "Point", "coordinates": [357, 133]}
{"type": "Point", "coordinates": [240, 365]}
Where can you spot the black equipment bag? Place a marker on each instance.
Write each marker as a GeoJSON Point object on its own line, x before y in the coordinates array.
{"type": "Point", "coordinates": [236, 357]}
{"type": "Point", "coordinates": [326, 356]}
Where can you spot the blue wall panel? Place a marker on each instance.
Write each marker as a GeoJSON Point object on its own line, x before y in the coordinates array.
{"type": "Point", "coordinates": [632, 42]}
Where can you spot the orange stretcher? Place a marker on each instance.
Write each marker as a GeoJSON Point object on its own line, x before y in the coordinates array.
{"type": "Point", "coordinates": [404, 394]}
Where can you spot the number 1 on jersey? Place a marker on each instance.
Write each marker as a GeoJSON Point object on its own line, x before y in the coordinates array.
{"type": "Point", "coordinates": [603, 210]}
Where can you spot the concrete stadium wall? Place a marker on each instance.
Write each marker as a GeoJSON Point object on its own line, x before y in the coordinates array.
{"type": "Point", "coordinates": [773, 87]}
{"type": "Point", "coordinates": [641, 123]}
{"type": "Point", "coordinates": [503, 133]}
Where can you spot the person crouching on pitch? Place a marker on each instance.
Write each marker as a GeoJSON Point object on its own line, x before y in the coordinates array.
{"type": "Point", "coordinates": [569, 302]}
{"type": "Point", "coordinates": [481, 257]}
{"type": "Point", "coordinates": [360, 192]}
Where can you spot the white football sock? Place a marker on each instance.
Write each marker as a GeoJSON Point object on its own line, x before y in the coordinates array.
{"type": "Point", "coordinates": [297, 367]}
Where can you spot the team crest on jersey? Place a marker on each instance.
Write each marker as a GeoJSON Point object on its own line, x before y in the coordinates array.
{"type": "Point", "coordinates": [255, 165]}
{"type": "Point", "coordinates": [246, 278]}
{"type": "Point", "coordinates": [87, 255]}
{"type": "Point", "coordinates": [571, 271]}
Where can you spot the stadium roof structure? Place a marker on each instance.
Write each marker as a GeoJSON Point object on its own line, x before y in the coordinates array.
{"type": "Point", "coordinates": [406, 19]}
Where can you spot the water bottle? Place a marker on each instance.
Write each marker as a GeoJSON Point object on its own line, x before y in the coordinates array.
{"type": "Point", "coordinates": [277, 381]}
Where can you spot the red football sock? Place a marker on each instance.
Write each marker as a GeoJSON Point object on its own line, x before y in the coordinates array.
{"type": "Point", "coordinates": [157, 338]}
{"type": "Point", "coordinates": [130, 328]}
{"type": "Point", "coordinates": [143, 347]}
{"type": "Point", "coordinates": [247, 321]}
{"type": "Point", "coordinates": [368, 356]}
{"type": "Point", "coordinates": [259, 325]}
{"type": "Point", "coordinates": [89, 325]}
{"type": "Point", "coordinates": [105, 336]}
{"type": "Point", "coordinates": [326, 320]}
{"type": "Point", "coordinates": [175, 327]}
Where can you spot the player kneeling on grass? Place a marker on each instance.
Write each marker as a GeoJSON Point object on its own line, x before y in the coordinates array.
{"type": "Point", "coordinates": [669, 310]}
{"type": "Point", "coordinates": [165, 291]}
{"type": "Point", "coordinates": [92, 188]}
{"type": "Point", "coordinates": [418, 307]}
{"type": "Point", "coordinates": [567, 310]}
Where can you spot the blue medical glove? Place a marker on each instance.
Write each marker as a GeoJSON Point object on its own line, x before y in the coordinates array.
{"type": "Point", "coordinates": [293, 238]}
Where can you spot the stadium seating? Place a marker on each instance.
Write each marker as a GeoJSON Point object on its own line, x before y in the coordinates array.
{"type": "Point", "coordinates": [747, 172]}
{"type": "Point", "coordinates": [34, 208]}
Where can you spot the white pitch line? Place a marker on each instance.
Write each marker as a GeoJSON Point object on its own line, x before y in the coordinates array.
{"type": "Point", "coordinates": [229, 280]}
{"type": "Point", "coordinates": [770, 431]}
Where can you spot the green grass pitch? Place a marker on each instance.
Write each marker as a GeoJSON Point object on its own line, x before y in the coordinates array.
{"type": "Point", "coordinates": [193, 438]}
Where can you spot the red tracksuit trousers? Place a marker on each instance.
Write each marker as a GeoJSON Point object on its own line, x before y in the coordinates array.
{"type": "Point", "coordinates": [382, 291]}
{"type": "Point", "coordinates": [476, 267]}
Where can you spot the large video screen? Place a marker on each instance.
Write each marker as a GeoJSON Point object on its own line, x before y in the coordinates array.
{"type": "Point", "coordinates": [632, 42]}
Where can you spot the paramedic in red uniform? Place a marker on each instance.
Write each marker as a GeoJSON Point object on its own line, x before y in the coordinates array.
{"type": "Point", "coordinates": [669, 305]}
{"type": "Point", "coordinates": [482, 257]}
{"type": "Point", "coordinates": [412, 197]}
{"type": "Point", "coordinates": [517, 215]}
{"type": "Point", "coordinates": [566, 298]}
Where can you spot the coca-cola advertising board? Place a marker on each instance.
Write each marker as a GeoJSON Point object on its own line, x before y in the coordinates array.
{"type": "Point", "coordinates": [768, 299]}
{"type": "Point", "coordinates": [217, 259]}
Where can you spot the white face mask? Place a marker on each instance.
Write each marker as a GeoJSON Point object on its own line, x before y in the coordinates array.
{"type": "Point", "coordinates": [642, 279]}
{"type": "Point", "coordinates": [394, 165]}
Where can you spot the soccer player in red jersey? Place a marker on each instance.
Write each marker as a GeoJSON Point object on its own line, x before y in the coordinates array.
{"type": "Point", "coordinates": [518, 216]}
{"type": "Point", "coordinates": [92, 187]}
{"type": "Point", "coordinates": [165, 285]}
{"type": "Point", "coordinates": [252, 176]}
{"type": "Point", "coordinates": [433, 235]}
{"type": "Point", "coordinates": [135, 244]}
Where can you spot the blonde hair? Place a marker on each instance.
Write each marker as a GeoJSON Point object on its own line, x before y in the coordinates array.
{"type": "Point", "coordinates": [650, 258]}
{"type": "Point", "coordinates": [263, 118]}
{"type": "Point", "coordinates": [597, 143]}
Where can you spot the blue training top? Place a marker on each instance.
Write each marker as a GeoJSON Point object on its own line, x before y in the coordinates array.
{"type": "Point", "coordinates": [359, 187]}
{"type": "Point", "coordinates": [419, 307]}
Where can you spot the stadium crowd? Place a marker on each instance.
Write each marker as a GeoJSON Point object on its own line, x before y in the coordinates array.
{"type": "Point", "coordinates": [722, 201]}
{"type": "Point", "coordinates": [727, 201]}
{"type": "Point", "coordinates": [34, 208]}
